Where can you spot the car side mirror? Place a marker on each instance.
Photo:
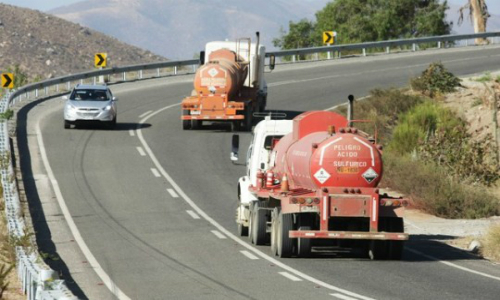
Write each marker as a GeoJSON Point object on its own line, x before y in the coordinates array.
{"type": "Point", "coordinates": [235, 145]}
{"type": "Point", "coordinates": [115, 99]}
{"type": "Point", "coordinates": [65, 97]}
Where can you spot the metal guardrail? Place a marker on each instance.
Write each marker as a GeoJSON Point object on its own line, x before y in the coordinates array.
{"type": "Point", "coordinates": [382, 44]}
{"type": "Point", "coordinates": [39, 282]}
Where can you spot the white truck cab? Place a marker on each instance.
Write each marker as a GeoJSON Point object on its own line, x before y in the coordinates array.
{"type": "Point", "coordinates": [258, 157]}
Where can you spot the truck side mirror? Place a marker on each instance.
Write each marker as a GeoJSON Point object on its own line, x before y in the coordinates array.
{"type": "Point", "coordinates": [235, 145]}
{"type": "Point", "coordinates": [202, 58]}
{"type": "Point", "coordinates": [272, 62]}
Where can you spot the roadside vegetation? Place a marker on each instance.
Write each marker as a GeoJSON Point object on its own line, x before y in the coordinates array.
{"type": "Point", "coordinates": [491, 243]}
{"type": "Point", "coordinates": [428, 154]}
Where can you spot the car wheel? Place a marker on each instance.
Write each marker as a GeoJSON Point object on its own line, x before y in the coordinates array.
{"type": "Point", "coordinates": [67, 125]}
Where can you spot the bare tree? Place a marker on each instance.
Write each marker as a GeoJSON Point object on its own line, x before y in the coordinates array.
{"type": "Point", "coordinates": [478, 14]}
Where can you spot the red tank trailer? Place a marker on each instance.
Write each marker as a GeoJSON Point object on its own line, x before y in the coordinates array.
{"type": "Point", "coordinates": [321, 189]}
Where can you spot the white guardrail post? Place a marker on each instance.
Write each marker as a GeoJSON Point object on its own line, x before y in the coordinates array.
{"type": "Point", "coordinates": [39, 282]}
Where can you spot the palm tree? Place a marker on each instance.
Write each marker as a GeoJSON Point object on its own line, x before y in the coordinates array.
{"type": "Point", "coordinates": [478, 14]}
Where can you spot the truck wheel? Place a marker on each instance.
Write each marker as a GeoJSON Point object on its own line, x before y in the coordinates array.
{"type": "Point", "coordinates": [378, 250]}
{"type": "Point", "coordinates": [259, 220]}
{"type": "Point", "coordinates": [186, 124]}
{"type": "Point", "coordinates": [196, 124]}
{"type": "Point", "coordinates": [304, 245]}
{"type": "Point", "coordinates": [242, 230]}
{"type": "Point", "coordinates": [396, 247]}
{"type": "Point", "coordinates": [250, 222]}
{"type": "Point", "coordinates": [274, 231]}
{"type": "Point", "coordinates": [262, 104]}
{"type": "Point", "coordinates": [248, 121]}
{"type": "Point", "coordinates": [284, 242]}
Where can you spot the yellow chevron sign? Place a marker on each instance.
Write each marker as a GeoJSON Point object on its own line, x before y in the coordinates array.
{"type": "Point", "coordinates": [101, 60]}
{"type": "Point", "coordinates": [8, 80]}
{"type": "Point", "coordinates": [329, 37]}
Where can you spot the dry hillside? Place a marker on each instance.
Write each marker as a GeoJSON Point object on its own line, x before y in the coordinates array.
{"type": "Point", "coordinates": [47, 46]}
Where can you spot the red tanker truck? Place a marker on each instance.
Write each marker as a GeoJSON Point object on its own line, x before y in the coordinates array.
{"type": "Point", "coordinates": [228, 87]}
{"type": "Point", "coordinates": [317, 188]}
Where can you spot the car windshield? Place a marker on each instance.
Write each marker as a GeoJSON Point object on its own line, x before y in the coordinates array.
{"type": "Point", "coordinates": [89, 95]}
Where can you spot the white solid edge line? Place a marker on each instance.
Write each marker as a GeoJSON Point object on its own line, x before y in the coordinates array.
{"type": "Point", "coordinates": [222, 229]}
{"type": "Point", "coordinates": [218, 234]}
{"type": "Point", "coordinates": [249, 255]}
{"type": "Point", "coordinates": [113, 288]}
{"type": "Point", "coordinates": [343, 297]}
{"type": "Point", "coordinates": [453, 265]}
{"type": "Point", "coordinates": [145, 114]}
{"type": "Point", "coordinates": [193, 214]}
{"type": "Point", "coordinates": [155, 172]}
{"type": "Point", "coordinates": [172, 193]}
{"type": "Point", "coordinates": [141, 151]}
{"type": "Point", "coordinates": [289, 276]}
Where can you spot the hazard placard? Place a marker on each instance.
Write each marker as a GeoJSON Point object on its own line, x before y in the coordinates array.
{"type": "Point", "coordinates": [322, 175]}
{"type": "Point", "coordinates": [8, 80]}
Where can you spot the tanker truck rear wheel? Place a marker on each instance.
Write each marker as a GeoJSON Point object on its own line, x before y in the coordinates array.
{"type": "Point", "coordinates": [304, 245]}
{"type": "Point", "coordinates": [284, 242]}
{"type": "Point", "coordinates": [396, 247]}
{"type": "Point", "coordinates": [196, 124]}
{"type": "Point", "coordinates": [259, 220]}
{"type": "Point", "coordinates": [186, 124]}
{"type": "Point", "coordinates": [274, 230]}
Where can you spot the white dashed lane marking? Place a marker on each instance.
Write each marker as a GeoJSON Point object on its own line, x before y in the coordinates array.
{"type": "Point", "coordinates": [343, 297]}
{"type": "Point", "coordinates": [193, 214]}
{"type": "Point", "coordinates": [155, 172]}
{"type": "Point", "coordinates": [219, 235]}
{"type": "Point", "coordinates": [172, 193]}
{"type": "Point", "coordinates": [290, 276]}
{"type": "Point", "coordinates": [249, 255]}
{"type": "Point", "coordinates": [141, 151]}
{"type": "Point", "coordinates": [131, 132]}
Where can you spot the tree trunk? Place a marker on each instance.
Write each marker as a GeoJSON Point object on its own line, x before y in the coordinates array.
{"type": "Point", "coordinates": [479, 18]}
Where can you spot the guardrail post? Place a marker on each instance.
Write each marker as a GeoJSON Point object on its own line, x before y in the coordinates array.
{"type": "Point", "coordinates": [46, 91]}
{"type": "Point", "coordinates": [95, 80]}
{"type": "Point", "coordinates": [124, 76]}
{"type": "Point", "coordinates": [175, 70]}
{"type": "Point", "coordinates": [158, 72]}
{"type": "Point", "coordinates": [340, 54]}
{"type": "Point", "coordinates": [194, 68]}
{"type": "Point", "coordinates": [439, 45]}
{"type": "Point", "coordinates": [81, 81]}
{"type": "Point", "coordinates": [466, 43]}
{"type": "Point", "coordinates": [364, 51]}
{"type": "Point", "coordinates": [69, 85]}
{"type": "Point", "coordinates": [36, 93]}
{"type": "Point", "coordinates": [328, 55]}
{"type": "Point", "coordinates": [140, 74]}
{"type": "Point", "coordinates": [57, 88]}
{"type": "Point", "coordinates": [387, 49]}
{"type": "Point", "coordinates": [414, 47]}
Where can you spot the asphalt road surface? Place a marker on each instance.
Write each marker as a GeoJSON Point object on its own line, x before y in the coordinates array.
{"type": "Point", "coordinates": [156, 205]}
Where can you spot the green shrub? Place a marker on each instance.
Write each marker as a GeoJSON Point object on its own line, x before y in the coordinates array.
{"type": "Point", "coordinates": [434, 191]}
{"type": "Point", "coordinates": [485, 78]}
{"type": "Point", "coordinates": [383, 107]}
{"type": "Point", "coordinates": [435, 79]}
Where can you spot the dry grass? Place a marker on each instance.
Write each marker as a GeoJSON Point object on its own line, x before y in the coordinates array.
{"type": "Point", "coordinates": [7, 263]}
{"type": "Point", "coordinates": [491, 243]}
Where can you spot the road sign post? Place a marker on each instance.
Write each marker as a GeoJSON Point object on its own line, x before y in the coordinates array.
{"type": "Point", "coordinates": [329, 38]}
{"type": "Point", "coordinates": [101, 61]}
{"type": "Point", "coordinates": [7, 80]}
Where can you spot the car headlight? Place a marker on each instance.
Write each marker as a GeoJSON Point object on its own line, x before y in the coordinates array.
{"type": "Point", "coordinates": [70, 107]}
{"type": "Point", "coordinates": [108, 107]}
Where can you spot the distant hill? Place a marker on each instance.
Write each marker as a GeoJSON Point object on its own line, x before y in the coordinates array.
{"type": "Point", "coordinates": [47, 46]}
{"type": "Point", "coordinates": [179, 29]}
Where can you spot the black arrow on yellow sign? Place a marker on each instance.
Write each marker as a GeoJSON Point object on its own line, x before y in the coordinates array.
{"type": "Point", "coordinates": [328, 37]}
{"type": "Point", "coordinates": [8, 80]}
{"type": "Point", "coordinates": [100, 60]}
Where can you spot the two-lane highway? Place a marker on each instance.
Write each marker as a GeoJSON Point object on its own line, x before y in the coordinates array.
{"type": "Point", "coordinates": [155, 205]}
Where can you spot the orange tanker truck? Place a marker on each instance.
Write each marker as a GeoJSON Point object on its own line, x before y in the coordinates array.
{"type": "Point", "coordinates": [228, 87]}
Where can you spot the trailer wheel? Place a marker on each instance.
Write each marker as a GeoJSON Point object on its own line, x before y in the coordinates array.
{"type": "Point", "coordinates": [284, 242]}
{"type": "Point", "coordinates": [274, 230]}
{"type": "Point", "coordinates": [396, 247]}
{"type": "Point", "coordinates": [186, 124]}
{"type": "Point", "coordinates": [242, 230]}
{"type": "Point", "coordinates": [196, 124]}
{"type": "Point", "coordinates": [304, 245]}
{"type": "Point", "coordinates": [259, 225]}
{"type": "Point", "coordinates": [378, 250]}
{"type": "Point", "coordinates": [247, 122]}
